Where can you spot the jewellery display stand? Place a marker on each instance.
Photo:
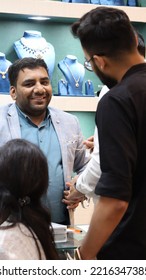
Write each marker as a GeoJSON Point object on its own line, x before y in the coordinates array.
{"type": "Point", "coordinates": [89, 89]}
{"type": "Point", "coordinates": [62, 88]}
{"type": "Point", "coordinates": [109, 2]}
{"type": "Point", "coordinates": [76, 1]}
{"type": "Point", "coordinates": [32, 44]}
{"type": "Point", "coordinates": [4, 81]}
{"type": "Point", "coordinates": [73, 72]}
{"type": "Point", "coordinates": [100, 2]}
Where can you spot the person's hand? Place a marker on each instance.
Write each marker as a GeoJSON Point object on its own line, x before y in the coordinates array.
{"type": "Point", "coordinates": [77, 255]}
{"type": "Point", "coordinates": [89, 143]}
{"type": "Point", "coordinates": [72, 197]}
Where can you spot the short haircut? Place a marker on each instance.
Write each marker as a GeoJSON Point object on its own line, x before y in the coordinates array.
{"type": "Point", "coordinates": [105, 31]}
{"type": "Point", "coordinates": [20, 64]}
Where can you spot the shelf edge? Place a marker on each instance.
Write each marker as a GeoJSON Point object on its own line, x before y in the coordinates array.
{"type": "Point", "coordinates": [58, 9]}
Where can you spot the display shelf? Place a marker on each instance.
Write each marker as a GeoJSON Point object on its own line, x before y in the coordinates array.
{"type": "Point", "coordinates": [82, 104]}
{"type": "Point", "coordinates": [62, 10]}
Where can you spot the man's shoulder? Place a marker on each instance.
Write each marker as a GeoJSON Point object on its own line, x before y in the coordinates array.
{"type": "Point", "coordinates": [6, 107]}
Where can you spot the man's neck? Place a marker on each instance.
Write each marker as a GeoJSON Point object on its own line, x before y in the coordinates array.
{"type": "Point", "coordinates": [126, 64]}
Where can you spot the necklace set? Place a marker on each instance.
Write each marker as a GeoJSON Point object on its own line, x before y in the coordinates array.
{"type": "Point", "coordinates": [75, 80]}
{"type": "Point", "coordinates": [36, 52]}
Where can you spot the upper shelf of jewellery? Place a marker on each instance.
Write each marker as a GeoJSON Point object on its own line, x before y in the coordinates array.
{"type": "Point", "coordinates": [58, 9]}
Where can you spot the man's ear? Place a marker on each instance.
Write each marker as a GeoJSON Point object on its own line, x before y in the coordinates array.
{"type": "Point", "coordinates": [13, 92]}
{"type": "Point", "coordinates": [99, 61]}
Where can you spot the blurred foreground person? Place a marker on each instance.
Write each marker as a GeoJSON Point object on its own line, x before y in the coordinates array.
{"type": "Point", "coordinates": [25, 225]}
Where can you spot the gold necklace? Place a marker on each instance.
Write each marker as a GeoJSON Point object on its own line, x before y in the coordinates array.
{"type": "Point", "coordinates": [3, 73]}
{"type": "Point", "coordinates": [76, 80]}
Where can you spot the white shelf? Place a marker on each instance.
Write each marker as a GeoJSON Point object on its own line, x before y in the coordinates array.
{"type": "Point", "coordinates": [82, 104]}
{"type": "Point", "coordinates": [58, 9]}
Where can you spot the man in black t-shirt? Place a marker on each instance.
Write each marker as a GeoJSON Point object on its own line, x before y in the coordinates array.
{"type": "Point", "coordinates": [118, 225]}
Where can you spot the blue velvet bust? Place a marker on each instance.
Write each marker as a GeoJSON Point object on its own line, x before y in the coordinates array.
{"type": "Point", "coordinates": [4, 81]}
{"type": "Point", "coordinates": [32, 44]}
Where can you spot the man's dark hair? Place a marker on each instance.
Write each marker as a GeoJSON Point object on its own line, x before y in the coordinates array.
{"type": "Point", "coordinates": [105, 31]}
{"type": "Point", "coordinates": [21, 64]}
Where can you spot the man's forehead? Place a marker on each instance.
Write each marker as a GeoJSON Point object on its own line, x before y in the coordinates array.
{"type": "Point", "coordinates": [33, 73]}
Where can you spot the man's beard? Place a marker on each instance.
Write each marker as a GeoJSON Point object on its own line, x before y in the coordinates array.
{"type": "Point", "coordinates": [105, 79]}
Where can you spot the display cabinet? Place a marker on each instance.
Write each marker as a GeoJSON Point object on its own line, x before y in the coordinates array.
{"type": "Point", "coordinates": [58, 13]}
{"type": "Point", "coordinates": [61, 10]}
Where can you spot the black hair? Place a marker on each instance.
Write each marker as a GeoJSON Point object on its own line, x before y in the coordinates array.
{"type": "Point", "coordinates": [24, 175]}
{"type": "Point", "coordinates": [105, 31]}
{"type": "Point", "coordinates": [20, 64]}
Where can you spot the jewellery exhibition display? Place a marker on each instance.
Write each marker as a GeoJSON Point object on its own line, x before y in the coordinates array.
{"type": "Point", "coordinates": [77, 1]}
{"type": "Point", "coordinates": [74, 73]}
{"type": "Point", "coordinates": [32, 44]}
{"type": "Point", "coordinates": [133, 3]}
{"type": "Point", "coordinates": [4, 81]}
{"type": "Point", "coordinates": [109, 2]}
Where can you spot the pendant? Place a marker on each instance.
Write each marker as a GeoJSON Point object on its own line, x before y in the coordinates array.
{"type": "Point", "coordinates": [4, 73]}
{"type": "Point", "coordinates": [77, 84]}
{"type": "Point", "coordinates": [39, 55]}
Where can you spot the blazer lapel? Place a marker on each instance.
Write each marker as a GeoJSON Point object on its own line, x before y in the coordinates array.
{"type": "Point", "coordinates": [13, 122]}
{"type": "Point", "coordinates": [59, 128]}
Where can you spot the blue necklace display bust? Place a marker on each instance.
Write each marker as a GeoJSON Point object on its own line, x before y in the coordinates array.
{"type": "Point", "coordinates": [4, 81]}
{"type": "Point", "coordinates": [74, 73]}
{"type": "Point", "coordinates": [32, 44]}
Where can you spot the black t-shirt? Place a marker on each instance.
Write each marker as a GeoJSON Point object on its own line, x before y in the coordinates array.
{"type": "Point", "coordinates": [121, 122]}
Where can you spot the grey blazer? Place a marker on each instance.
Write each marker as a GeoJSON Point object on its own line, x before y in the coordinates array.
{"type": "Point", "coordinates": [68, 131]}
